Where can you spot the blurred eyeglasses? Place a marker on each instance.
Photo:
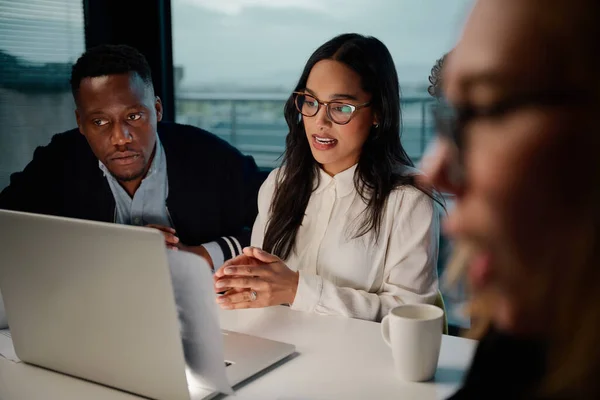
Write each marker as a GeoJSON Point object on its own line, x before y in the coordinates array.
{"type": "Point", "coordinates": [451, 120]}
{"type": "Point", "coordinates": [338, 112]}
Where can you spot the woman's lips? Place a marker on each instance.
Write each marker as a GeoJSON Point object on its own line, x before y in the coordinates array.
{"type": "Point", "coordinates": [480, 271]}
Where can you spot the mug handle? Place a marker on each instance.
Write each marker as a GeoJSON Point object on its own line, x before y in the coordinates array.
{"type": "Point", "coordinates": [385, 330]}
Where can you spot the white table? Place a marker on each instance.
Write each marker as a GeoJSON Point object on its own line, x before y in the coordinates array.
{"type": "Point", "coordinates": [338, 358]}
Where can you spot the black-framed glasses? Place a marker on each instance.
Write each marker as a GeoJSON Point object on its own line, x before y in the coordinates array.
{"type": "Point", "coordinates": [339, 112]}
{"type": "Point", "coordinates": [450, 121]}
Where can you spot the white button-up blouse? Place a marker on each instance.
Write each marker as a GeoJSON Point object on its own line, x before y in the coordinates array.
{"type": "Point", "coordinates": [359, 277]}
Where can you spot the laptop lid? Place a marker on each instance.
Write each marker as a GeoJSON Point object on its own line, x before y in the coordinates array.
{"type": "Point", "coordinates": [70, 289]}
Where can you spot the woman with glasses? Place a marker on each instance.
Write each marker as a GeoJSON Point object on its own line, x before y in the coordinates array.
{"type": "Point", "coordinates": [518, 148]}
{"type": "Point", "coordinates": [343, 228]}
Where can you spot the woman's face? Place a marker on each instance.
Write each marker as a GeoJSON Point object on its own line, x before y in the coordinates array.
{"type": "Point", "coordinates": [517, 201]}
{"type": "Point", "coordinates": [336, 147]}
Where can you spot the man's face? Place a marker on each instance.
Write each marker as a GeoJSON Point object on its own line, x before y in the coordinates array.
{"type": "Point", "coordinates": [118, 115]}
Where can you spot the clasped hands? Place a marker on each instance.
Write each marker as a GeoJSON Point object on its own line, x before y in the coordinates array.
{"type": "Point", "coordinates": [255, 279]}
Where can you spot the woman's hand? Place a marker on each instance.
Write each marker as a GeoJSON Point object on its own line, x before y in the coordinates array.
{"type": "Point", "coordinates": [255, 279]}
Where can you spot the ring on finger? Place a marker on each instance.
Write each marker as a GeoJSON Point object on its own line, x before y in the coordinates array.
{"type": "Point", "coordinates": [253, 295]}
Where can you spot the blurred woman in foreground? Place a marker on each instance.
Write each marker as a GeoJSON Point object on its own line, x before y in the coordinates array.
{"type": "Point", "coordinates": [519, 150]}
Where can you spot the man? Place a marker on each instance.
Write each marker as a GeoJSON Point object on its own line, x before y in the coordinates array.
{"type": "Point", "coordinates": [123, 165]}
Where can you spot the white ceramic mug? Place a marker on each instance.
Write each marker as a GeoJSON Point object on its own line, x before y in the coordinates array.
{"type": "Point", "coordinates": [414, 332]}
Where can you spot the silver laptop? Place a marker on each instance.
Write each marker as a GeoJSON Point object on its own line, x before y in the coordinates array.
{"type": "Point", "coordinates": [95, 300]}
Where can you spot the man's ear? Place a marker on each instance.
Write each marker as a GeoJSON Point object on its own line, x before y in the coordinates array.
{"type": "Point", "coordinates": [78, 119]}
{"type": "Point", "coordinates": [159, 109]}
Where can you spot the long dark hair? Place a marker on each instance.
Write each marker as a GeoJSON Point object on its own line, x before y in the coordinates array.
{"type": "Point", "coordinates": [382, 157]}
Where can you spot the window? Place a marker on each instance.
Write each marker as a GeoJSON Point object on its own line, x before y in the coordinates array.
{"type": "Point", "coordinates": [39, 41]}
{"type": "Point", "coordinates": [236, 61]}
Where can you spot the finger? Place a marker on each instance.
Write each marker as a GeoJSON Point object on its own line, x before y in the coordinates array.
{"type": "Point", "coordinates": [242, 259]}
{"type": "Point", "coordinates": [239, 306]}
{"type": "Point", "coordinates": [172, 247]}
{"type": "Point", "coordinates": [249, 270]}
{"type": "Point", "coordinates": [233, 291]}
{"type": "Point", "coordinates": [239, 260]}
{"type": "Point", "coordinates": [248, 251]}
{"type": "Point", "coordinates": [219, 273]}
{"type": "Point", "coordinates": [262, 255]}
{"type": "Point", "coordinates": [227, 290]}
{"type": "Point", "coordinates": [245, 282]}
{"type": "Point", "coordinates": [161, 228]}
{"type": "Point", "coordinates": [168, 233]}
{"type": "Point", "coordinates": [235, 296]}
{"type": "Point", "coordinates": [170, 239]}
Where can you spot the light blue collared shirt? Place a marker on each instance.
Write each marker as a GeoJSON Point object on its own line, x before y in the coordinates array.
{"type": "Point", "coordinates": [149, 203]}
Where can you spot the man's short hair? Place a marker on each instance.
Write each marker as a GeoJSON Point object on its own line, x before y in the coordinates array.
{"type": "Point", "coordinates": [109, 59]}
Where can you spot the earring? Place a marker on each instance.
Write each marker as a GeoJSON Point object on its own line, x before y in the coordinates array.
{"type": "Point", "coordinates": [376, 125]}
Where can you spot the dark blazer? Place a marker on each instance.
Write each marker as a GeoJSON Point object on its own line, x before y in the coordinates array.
{"type": "Point", "coordinates": [213, 188]}
{"type": "Point", "coordinates": [504, 367]}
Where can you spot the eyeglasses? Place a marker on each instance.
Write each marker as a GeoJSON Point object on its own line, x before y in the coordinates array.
{"type": "Point", "coordinates": [338, 112]}
{"type": "Point", "coordinates": [450, 121]}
